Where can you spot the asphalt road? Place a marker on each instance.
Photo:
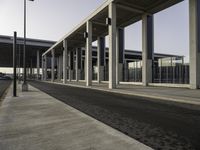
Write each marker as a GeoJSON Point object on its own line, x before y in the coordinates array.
{"type": "Point", "coordinates": [158, 125]}
{"type": "Point", "coordinates": [4, 84]}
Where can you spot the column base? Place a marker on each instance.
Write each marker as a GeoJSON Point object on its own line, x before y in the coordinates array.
{"type": "Point", "coordinates": [194, 87]}
{"type": "Point", "coordinates": [120, 73]}
{"type": "Point", "coordinates": [24, 87]}
{"type": "Point", "coordinates": [147, 74]}
{"type": "Point", "coordinates": [78, 75]}
{"type": "Point", "coordinates": [112, 86]}
{"type": "Point", "coordinates": [101, 74]}
{"type": "Point", "coordinates": [126, 72]}
{"type": "Point", "coordinates": [70, 75]}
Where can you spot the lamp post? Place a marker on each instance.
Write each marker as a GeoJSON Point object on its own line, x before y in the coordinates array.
{"type": "Point", "coordinates": [25, 85]}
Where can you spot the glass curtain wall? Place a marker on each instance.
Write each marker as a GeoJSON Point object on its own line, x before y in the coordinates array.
{"type": "Point", "coordinates": [171, 70]}
{"type": "Point", "coordinates": [133, 71]}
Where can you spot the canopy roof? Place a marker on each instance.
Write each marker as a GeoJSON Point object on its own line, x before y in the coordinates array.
{"type": "Point", "coordinates": [128, 12]}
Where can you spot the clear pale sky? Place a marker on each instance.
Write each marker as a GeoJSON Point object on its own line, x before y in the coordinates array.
{"type": "Point", "coordinates": [52, 19]}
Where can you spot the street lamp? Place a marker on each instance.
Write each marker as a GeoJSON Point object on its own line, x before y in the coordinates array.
{"type": "Point", "coordinates": [25, 85]}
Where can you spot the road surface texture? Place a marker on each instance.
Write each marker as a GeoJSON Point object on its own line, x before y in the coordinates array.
{"type": "Point", "coordinates": [4, 84]}
{"type": "Point", "coordinates": [158, 125]}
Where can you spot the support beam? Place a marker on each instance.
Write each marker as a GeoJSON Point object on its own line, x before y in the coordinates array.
{"type": "Point", "coordinates": [38, 64]}
{"type": "Point", "coordinates": [147, 49]}
{"type": "Point", "coordinates": [194, 19]}
{"type": "Point", "coordinates": [88, 54]}
{"type": "Point", "coordinates": [120, 55]}
{"type": "Point", "coordinates": [112, 46]}
{"type": "Point", "coordinates": [100, 58]}
{"type": "Point", "coordinates": [52, 65]}
{"type": "Point", "coordinates": [99, 23]}
{"type": "Point", "coordinates": [131, 9]}
{"type": "Point", "coordinates": [65, 61]}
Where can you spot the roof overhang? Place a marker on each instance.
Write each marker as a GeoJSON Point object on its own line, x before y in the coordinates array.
{"type": "Point", "coordinates": [128, 12]}
{"type": "Point", "coordinates": [32, 46]}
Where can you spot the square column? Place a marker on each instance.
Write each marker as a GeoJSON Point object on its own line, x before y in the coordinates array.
{"type": "Point", "coordinates": [38, 64]}
{"type": "Point", "coordinates": [31, 69]}
{"type": "Point", "coordinates": [88, 54]}
{"type": "Point", "coordinates": [194, 19]}
{"type": "Point", "coordinates": [100, 58]}
{"type": "Point", "coordinates": [65, 61]}
{"type": "Point", "coordinates": [112, 45]}
{"type": "Point", "coordinates": [125, 71]}
{"type": "Point", "coordinates": [147, 49]}
{"type": "Point", "coordinates": [45, 67]}
{"type": "Point", "coordinates": [71, 64]}
{"type": "Point", "coordinates": [74, 65]}
{"type": "Point", "coordinates": [59, 67]}
{"type": "Point", "coordinates": [42, 60]}
{"type": "Point", "coordinates": [52, 65]}
{"type": "Point", "coordinates": [120, 55]}
{"type": "Point", "coordinates": [78, 64]}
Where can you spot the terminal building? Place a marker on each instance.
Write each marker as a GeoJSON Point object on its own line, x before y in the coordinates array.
{"type": "Point", "coordinates": [166, 68]}
{"type": "Point", "coordinates": [74, 57]}
{"type": "Point", "coordinates": [78, 60]}
{"type": "Point", "coordinates": [34, 50]}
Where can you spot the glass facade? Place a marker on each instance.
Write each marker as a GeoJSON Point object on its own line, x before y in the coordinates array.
{"type": "Point", "coordinates": [133, 71]}
{"type": "Point", "coordinates": [171, 70]}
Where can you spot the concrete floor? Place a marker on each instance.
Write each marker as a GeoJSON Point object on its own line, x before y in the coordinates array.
{"type": "Point", "coordinates": [37, 121]}
{"type": "Point", "coordinates": [159, 125]}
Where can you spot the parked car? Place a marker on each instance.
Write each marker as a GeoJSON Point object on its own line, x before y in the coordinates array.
{"type": "Point", "coordinates": [5, 78]}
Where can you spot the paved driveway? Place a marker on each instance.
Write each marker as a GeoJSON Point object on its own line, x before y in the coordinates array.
{"type": "Point", "coordinates": [158, 125]}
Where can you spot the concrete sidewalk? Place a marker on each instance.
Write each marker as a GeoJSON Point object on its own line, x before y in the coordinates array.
{"type": "Point", "coordinates": [37, 121]}
{"type": "Point", "coordinates": [178, 96]}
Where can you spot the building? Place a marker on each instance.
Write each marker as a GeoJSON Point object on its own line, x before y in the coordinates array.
{"type": "Point", "coordinates": [167, 68]}
{"type": "Point", "coordinates": [34, 50]}
{"type": "Point", "coordinates": [110, 19]}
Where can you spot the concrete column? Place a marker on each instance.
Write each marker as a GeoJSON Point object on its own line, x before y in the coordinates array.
{"type": "Point", "coordinates": [69, 70]}
{"type": "Point", "coordinates": [38, 64]}
{"type": "Point", "coordinates": [88, 54]}
{"type": "Point", "coordinates": [65, 61]}
{"type": "Point", "coordinates": [100, 58]}
{"type": "Point", "coordinates": [31, 69]}
{"type": "Point", "coordinates": [112, 46]}
{"type": "Point", "coordinates": [78, 64]}
{"type": "Point", "coordinates": [59, 68]}
{"type": "Point", "coordinates": [125, 71]}
{"type": "Point", "coordinates": [194, 19]}
{"type": "Point", "coordinates": [120, 55]}
{"type": "Point", "coordinates": [71, 60]}
{"type": "Point", "coordinates": [147, 49]}
{"type": "Point", "coordinates": [73, 64]}
{"type": "Point", "coordinates": [42, 60]}
{"type": "Point", "coordinates": [45, 67]}
{"type": "Point", "coordinates": [52, 65]}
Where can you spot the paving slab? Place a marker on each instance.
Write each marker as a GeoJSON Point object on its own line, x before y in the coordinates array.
{"type": "Point", "coordinates": [37, 121]}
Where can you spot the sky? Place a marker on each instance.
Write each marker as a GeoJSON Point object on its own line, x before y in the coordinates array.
{"type": "Point", "coordinates": [52, 19]}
